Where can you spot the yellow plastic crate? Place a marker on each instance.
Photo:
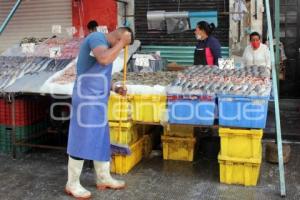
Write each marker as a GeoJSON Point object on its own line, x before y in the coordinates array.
{"type": "Point", "coordinates": [241, 143]}
{"type": "Point", "coordinates": [239, 171]}
{"type": "Point", "coordinates": [121, 164]}
{"type": "Point", "coordinates": [123, 132]}
{"type": "Point", "coordinates": [176, 148]}
{"type": "Point", "coordinates": [179, 130]}
{"type": "Point", "coordinates": [148, 108]}
{"type": "Point", "coordinates": [119, 108]}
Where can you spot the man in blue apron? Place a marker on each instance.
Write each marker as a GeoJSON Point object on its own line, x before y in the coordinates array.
{"type": "Point", "coordinates": [89, 129]}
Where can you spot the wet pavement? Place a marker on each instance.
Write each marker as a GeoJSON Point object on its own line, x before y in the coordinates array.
{"type": "Point", "coordinates": [41, 175]}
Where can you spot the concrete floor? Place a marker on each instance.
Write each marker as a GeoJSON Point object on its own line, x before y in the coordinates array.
{"type": "Point", "coordinates": [41, 175]}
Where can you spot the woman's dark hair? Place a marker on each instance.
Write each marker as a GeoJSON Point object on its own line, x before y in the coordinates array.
{"type": "Point", "coordinates": [92, 25]}
{"type": "Point", "coordinates": [254, 34]}
{"type": "Point", "coordinates": [208, 28]}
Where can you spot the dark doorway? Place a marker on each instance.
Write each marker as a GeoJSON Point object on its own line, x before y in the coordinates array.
{"type": "Point", "coordinates": [290, 37]}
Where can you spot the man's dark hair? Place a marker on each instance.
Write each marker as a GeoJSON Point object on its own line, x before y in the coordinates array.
{"type": "Point", "coordinates": [125, 28]}
{"type": "Point", "coordinates": [208, 28]}
{"type": "Point", "coordinates": [254, 34]}
{"type": "Point", "coordinates": [92, 25]}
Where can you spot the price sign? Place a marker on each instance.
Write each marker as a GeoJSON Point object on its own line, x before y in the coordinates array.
{"type": "Point", "coordinates": [71, 30]}
{"type": "Point", "coordinates": [56, 29]}
{"type": "Point", "coordinates": [226, 63]}
{"type": "Point", "coordinates": [28, 48]}
{"type": "Point", "coordinates": [55, 52]}
{"type": "Point", "coordinates": [102, 29]}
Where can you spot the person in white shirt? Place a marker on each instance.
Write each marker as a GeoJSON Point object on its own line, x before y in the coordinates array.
{"type": "Point", "coordinates": [256, 53]}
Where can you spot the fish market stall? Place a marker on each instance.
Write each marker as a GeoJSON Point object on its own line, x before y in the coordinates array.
{"type": "Point", "coordinates": [24, 69]}
{"type": "Point", "coordinates": [204, 84]}
{"type": "Point", "coordinates": [199, 96]}
{"type": "Point", "coordinates": [235, 101]}
{"type": "Point", "coordinates": [62, 81]}
{"type": "Point", "coordinates": [33, 68]}
{"type": "Point", "coordinates": [34, 58]}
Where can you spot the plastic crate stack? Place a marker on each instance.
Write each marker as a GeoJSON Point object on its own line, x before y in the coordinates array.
{"type": "Point", "coordinates": [30, 119]}
{"type": "Point", "coordinates": [184, 111]}
{"type": "Point", "coordinates": [241, 149]}
{"type": "Point", "coordinates": [178, 142]}
{"type": "Point", "coordinates": [124, 131]}
{"type": "Point", "coordinates": [240, 156]}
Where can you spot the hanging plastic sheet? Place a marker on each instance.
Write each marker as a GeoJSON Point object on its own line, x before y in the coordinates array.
{"type": "Point", "coordinates": [209, 17]}
{"type": "Point", "coordinates": [177, 22]}
{"type": "Point", "coordinates": [156, 20]}
{"type": "Point", "coordinates": [240, 9]}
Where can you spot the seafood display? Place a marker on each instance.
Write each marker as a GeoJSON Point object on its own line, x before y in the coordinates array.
{"type": "Point", "coordinates": [32, 40]}
{"type": "Point", "coordinates": [211, 80]}
{"type": "Point", "coordinates": [195, 80]}
{"type": "Point", "coordinates": [67, 76]}
{"type": "Point", "coordinates": [9, 70]}
{"type": "Point", "coordinates": [12, 68]}
{"type": "Point", "coordinates": [162, 78]}
{"type": "Point", "coordinates": [133, 78]}
{"type": "Point", "coordinates": [69, 48]}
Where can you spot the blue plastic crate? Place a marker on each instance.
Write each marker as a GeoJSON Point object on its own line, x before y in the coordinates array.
{"type": "Point", "coordinates": [243, 112]}
{"type": "Point", "coordinates": [196, 110]}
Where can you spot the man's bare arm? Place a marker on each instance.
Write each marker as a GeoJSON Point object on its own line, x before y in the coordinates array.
{"type": "Point", "coordinates": [105, 56]}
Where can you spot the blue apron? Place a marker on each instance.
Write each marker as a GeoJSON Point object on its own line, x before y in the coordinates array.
{"type": "Point", "coordinates": [89, 128]}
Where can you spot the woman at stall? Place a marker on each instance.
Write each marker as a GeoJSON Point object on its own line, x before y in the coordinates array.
{"type": "Point", "coordinates": [208, 48]}
{"type": "Point", "coordinates": [256, 53]}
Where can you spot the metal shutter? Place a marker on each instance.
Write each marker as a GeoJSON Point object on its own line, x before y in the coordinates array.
{"type": "Point", "coordinates": [33, 18]}
{"type": "Point", "coordinates": [187, 38]}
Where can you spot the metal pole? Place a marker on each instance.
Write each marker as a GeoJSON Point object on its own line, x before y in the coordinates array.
{"type": "Point", "coordinates": [277, 111]}
{"type": "Point", "coordinates": [277, 36]}
{"type": "Point", "coordinates": [10, 15]}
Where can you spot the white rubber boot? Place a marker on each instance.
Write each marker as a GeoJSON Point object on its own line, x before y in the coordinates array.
{"type": "Point", "coordinates": [104, 179]}
{"type": "Point", "coordinates": [73, 187]}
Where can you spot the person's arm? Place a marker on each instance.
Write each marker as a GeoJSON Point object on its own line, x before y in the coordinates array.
{"type": "Point", "coordinates": [105, 55]}
{"type": "Point", "coordinates": [216, 51]}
